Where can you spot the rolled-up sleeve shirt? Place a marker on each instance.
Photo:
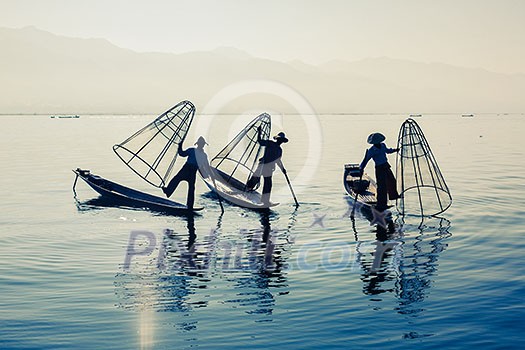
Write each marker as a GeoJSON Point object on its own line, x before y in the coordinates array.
{"type": "Point", "coordinates": [377, 154]}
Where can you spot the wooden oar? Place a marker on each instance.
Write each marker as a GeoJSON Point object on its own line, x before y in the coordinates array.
{"type": "Point", "coordinates": [357, 193]}
{"type": "Point", "coordinates": [291, 189]}
{"type": "Point", "coordinates": [355, 199]}
{"type": "Point", "coordinates": [216, 191]}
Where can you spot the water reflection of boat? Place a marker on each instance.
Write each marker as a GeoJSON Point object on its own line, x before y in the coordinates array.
{"type": "Point", "coordinates": [101, 202]}
{"type": "Point", "coordinates": [403, 264]}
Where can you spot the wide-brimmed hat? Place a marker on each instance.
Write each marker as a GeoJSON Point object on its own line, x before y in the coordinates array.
{"type": "Point", "coordinates": [281, 136]}
{"type": "Point", "coordinates": [375, 138]}
{"type": "Point", "coordinates": [201, 141]}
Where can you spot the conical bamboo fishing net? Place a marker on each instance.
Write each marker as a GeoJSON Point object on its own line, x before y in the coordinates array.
{"type": "Point", "coordinates": [236, 162]}
{"type": "Point", "coordinates": [423, 188]}
{"type": "Point", "coordinates": [151, 152]}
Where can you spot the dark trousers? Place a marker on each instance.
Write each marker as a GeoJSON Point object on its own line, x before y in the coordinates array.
{"type": "Point", "coordinates": [262, 170]}
{"type": "Point", "coordinates": [187, 173]}
{"type": "Point", "coordinates": [267, 188]}
{"type": "Point", "coordinates": [386, 186]}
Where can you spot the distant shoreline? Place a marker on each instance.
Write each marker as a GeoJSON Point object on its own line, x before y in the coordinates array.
{"type": "Point", "coordinates": [408, 114]}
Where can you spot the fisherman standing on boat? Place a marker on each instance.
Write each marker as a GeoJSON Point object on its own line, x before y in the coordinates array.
{"type": "Point", "coordinates": [271, 157]}
{"type": "Point", "coordinates": [386, 182]}
{"type": "Point", "coordinates": [197, 160]}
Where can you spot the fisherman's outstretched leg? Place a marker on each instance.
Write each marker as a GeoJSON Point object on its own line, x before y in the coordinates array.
{"type": "Point", "coordinates": [173, 184]}
{"type": "Point", "coordinates": [185, 173]}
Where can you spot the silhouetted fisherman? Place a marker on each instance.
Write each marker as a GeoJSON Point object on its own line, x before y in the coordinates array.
{"type": "Point", "coordinates": [271, 157]}
{"type": "Point", "coordinates": [386, 182]}
{"type": "Point", "coordinates": [197, 159]}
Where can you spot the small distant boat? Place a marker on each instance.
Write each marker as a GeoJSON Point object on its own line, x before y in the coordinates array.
{"type": "Point", "coordinates": [120, 194]}
{"type": "Point", "coordinates": [66, 116]}
{"type": "Point", "coordinates": [467, 115]}
{"type": "Point", "coordinates": [415, 116]}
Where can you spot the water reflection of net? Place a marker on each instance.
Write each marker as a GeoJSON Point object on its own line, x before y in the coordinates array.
{"type": "Point", "coordinates": [151, 152]}
{"type": "Point", "coordinates": [405, 266]}
{"type": "Point", "coordinates": [423, 188]}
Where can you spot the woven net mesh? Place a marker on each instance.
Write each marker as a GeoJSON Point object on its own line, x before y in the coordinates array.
{"type": "Point", "coordinates": [151, 152]}
{"type": "Point", "coordinates": [236, 162]}
{"type": "Point", "coordinates": [423, 188]}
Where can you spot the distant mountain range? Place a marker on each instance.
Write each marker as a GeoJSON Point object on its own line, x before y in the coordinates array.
{"type": "Point", "coordinates": [46, 73]}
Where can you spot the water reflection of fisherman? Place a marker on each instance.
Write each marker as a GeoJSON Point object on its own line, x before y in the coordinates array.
{"type": "Point", "coordinates": [414, 262]}
{"type": "Point", "coordinates": [197, 160]}
{"type": "Point", "coordinates": [192, 236]}
{"type": "Point", "coordinates": [376, 271]}
{"type": "Point", "coordinates": [268, 240]}
{"type": "Point", "coordinates": [183, 257]}
{"type": "Point", "coordinates": [191, 253]}
{"type": "Point", "coordinates": [266, 225]}
{"type": "Point", "coordinates": [271, 157]}
{"type": "Point", "coordinates": [386, 182]}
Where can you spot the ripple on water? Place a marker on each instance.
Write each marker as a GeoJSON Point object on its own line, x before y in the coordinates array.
{"type": "Point", "coordinates": [310, 279]}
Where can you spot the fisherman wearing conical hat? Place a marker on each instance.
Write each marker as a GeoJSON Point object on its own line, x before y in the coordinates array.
{"type": "Point", "coordinates": [271, 157]}
{"type": "Point", "coordinates": [386, 182]}
{"type": "Point", "coordinates": [197, 160]}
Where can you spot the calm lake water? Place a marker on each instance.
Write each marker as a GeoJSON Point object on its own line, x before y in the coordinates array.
{"type": "Point", "coordinates": [76, 273]}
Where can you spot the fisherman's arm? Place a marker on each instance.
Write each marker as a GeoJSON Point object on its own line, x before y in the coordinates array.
{"type": "Point", "coordinates": [363, 164]}
{"type": "Point", "coordinates": [259, 137]}
{"type": "Point", "coordinates": [392, 150]}
{"type": "Point", "coordinates": [181, 152]}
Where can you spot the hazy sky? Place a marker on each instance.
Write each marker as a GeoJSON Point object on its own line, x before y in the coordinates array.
{"type": "Point", "coordinates": [472, 33]}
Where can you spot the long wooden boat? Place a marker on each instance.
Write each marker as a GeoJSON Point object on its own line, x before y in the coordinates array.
{"type": "Point", "coordinates": [364, 187]}
{"type": "Point", "coordinates": [128, 196]}
{"type": "Point", "coordinates": [234, 191]}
